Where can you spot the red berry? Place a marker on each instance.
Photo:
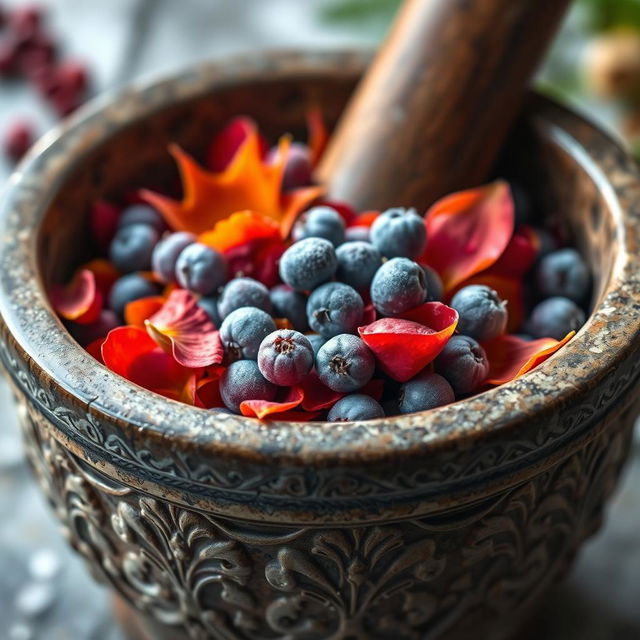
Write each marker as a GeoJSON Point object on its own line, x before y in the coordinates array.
{"type": "Point", "coordinates": [65, 101]}
{"type": "Point", "coordinates": [36, 55]}
{"type": "Point", "coordinates": [25, 22]}
{"type": "Point", "coordinates": [72, 75]}
{"type": "Point", "coordinates": [9, 56]}
{"type": "Point", "coordinates": [18, 139]}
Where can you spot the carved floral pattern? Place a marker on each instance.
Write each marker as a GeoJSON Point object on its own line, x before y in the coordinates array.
{"type": "Point", "coordinates": [413, 580]}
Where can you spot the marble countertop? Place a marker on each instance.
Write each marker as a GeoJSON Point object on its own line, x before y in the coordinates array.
{"type": "Point", "coordinates": [45, 591]}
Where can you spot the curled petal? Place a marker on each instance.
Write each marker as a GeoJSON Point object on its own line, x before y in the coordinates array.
{"type": "Point", "coordinates": [511, 357]}
{"type": "Point", "coordinates": [468, 231]}
{"type": "Point", "coordinates": [404, 346]}
{"type": "Point", "coordinates": [104, 272]}
{"type": "Point", "coordinates": [80, 300]}
{"type": "Point", "coordinates": [207, 393]}
{"type": "Point", "coordinates": [183, 329]}
{"type": "Point", "coordinates": [520, 253]}
{"type": "Point", "coordinates": [316, 395]}
{"type": "Point", "coordinates": [262, 408]}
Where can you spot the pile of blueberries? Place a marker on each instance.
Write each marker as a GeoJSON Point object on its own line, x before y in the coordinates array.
{"type": "Point", "coordinates": [329, 275]}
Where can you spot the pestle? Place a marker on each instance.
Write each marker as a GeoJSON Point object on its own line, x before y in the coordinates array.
{"type": "Point", "coordinates": [433, 110]}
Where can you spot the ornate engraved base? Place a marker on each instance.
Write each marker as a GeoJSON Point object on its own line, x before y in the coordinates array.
{"type": "Point", "coordinates": [198, 576]}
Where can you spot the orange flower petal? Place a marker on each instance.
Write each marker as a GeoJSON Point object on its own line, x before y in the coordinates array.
{"type": "Point", "coordinates": [247, 183]}
{"type": "Point", "coordinates": [239, 229]}
{"type": "Point", "coordinates": [262, 408]}
{"type": "Point", "coordinates": [365, 219]}
{"type": "Point", "coordinates": [225, 145]}
{"type": "Point", "coordinates": [80, 300]}
{"type": "Point", "coordinates": [183, 329]}
{"type": "Point", "coordinates": [138, 311]}
{"type": "Point", "coordinates": [511, 357]}
{"type": "Point", "coordinates": [468, 231]}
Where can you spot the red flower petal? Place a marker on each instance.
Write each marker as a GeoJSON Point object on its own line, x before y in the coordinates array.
{"type": "Point", "coordinates": [318, 134]}
{"type": "Point", "coordinates": [520, 253]}
{"type": "Point", "coordinates": [80, 300]}
{"type": "Point", "coordinates": [316, 395]}
{"type": "Point", "coordinates": [207, 394]}
{"type": "Point", "coordinates": [103, 222]}
{"type": "Point", "coordinates": [369, 314]}
{"type": "Point", "coordinates": [468, 231]}
{"type": "Point", "coordinates": [365, 219]}
{"type": "Point", "coordinates": [404, 346]}
{"type": "Point", "coordinates": [297, 416]}
{"type": "Point", "coordinates": [225, 145]}
{"type": "Point", "coordinates": [133, 354]}
{"type": "Point", "coordinates": [95, 349]}
{"type": "Point", "coordinates": [104, 272]}
{"type": "Point", "coordinates": [136, 313]}
{"type": "Point", "coordinates": [373, 388]}
{"type": "Point", "coordinates": [182, 328]}
{"type": "Point", "coordinates": [510, 356]}
{"type": "Point", "coordinates": [263, 408]}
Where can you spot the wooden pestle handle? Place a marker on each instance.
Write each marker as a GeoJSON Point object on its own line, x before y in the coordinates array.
{"type": "Point", "coordinates": [436, 104]}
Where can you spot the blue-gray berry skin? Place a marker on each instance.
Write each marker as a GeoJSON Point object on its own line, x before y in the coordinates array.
{"type": "Point", "coordinates": [398, 285]}
{"type": "Point", "coordinates": [285, 357]}
{"type": "Point", "coordinates": [210, 306]}
{"type": "Point", "coordinates": [243, 292]}
{"type": "Point", "coordinates": [563, 273]}
{"type": "Point", "coordinates": [320, 222]}
{"type": "Point", "coordinates": [399, 232]}
{"type": "Point", "coordinates": [242, 331]}
{"type": "Point", "coordinates": [129, 288]}
{"type": "Point", "coordinates": [464, 364]}
{"type": "Point", "coordinates": [483, 316]}
{"type": "Point", "coordinates": [345, 363]}
{"type": "Point", "coordinates": [308, 263]}
{"type": "Point", "coordinates": [334, 308]}
{"type": "Point", "coordinates": [132, 246]}
{"type": "Point", "coordinates": [425, 391]}
{"type": "Point", "coordinates": [316, 341]}
{"type": "Point", "coordinates": [166, 252]}
{"type": "Point", "coordinates": [290, 304]}
{"type": "Point", "coordinates": [241, 381]}
{"type": "Point", "coordinates": [357, 233]}
{"type": "Point", "coordinates": [357, 264]}
{"type": "Point", "coordinates": [142, 214]}
{"type": "Point", "coordinates": [435, 288]}
{"type": "Point", "coordinates": [554, 318]}
{"type": "Point", "coordinates": [355, 407]}
{"type": "Point", "coordinates": [201, 269]}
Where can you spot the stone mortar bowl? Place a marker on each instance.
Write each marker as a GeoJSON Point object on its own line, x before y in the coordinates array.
{"type": "Point", "coordinates": [446, 524]}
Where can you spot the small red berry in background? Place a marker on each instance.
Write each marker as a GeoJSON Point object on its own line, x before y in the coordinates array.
{"type": "Point", "coordinates": [18, 139]}
{"type": "Point", "coordinates": [29, 51]}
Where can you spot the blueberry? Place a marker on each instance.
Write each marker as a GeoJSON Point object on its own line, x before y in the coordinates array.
{"type": "Point", "coordinates": [355, 407]}
{"type": "Point", "coordinates": [308, 263]}
{"type": "Point", "coordinates": [297, 169]}
{"type": "Point", "coordinates": [242, 331]}
{"type": "Point", "coordinates": [357, 233]}
{"type": "Point", "coordinates": [85, 334]}
{"type": "Point", "coordinates": [399, 232]}
{"type": "Point", "coordinates": [398, 285]}
{"type": "Point", "coordinates": [483, 316]}
{"type": "Point", "coordinates": [243, 292]}
{"type": "Point", "coordinates": [425, 391]}
{"type": "Point", "coordinates": [563, 273]}
{"type": "Point", "coordinates": [435, 288]}
{"type": "Point", "coordinates": [201, 269]}
{"type": "Point", "coordinates": [290, 304]}
{"type": "Point", "coordinates": [320, 222]}
{"type": "Point", "coordinates": [357, 264]}
{"type": "Point", "coordinates": [344, 363]}
{"type": "Point", "coordinates": [142, 214]}
{"type": "Point", "coordinates": [546, 241]}
{"type": "Point", "coordinates": [241, 381]}
{"type": "Point", "coordinates": [334, 308]}
{"type": "Point", "coordinates": [129, 288]}
{"type": "Point", "coordinates": [210, 305]}
{"type": "Point", "coordinates": [285, 357]}
{"type": "Point", "coordinates": [316, 341]}
{"type": "Point", "coordinates": [554, 318]}
{"type": "Point", "coordinates": [132, 246]}
{"type": "Point", "coordinates": [463, 363]}
{"type": "Point", "coordinates": [166, 252]}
